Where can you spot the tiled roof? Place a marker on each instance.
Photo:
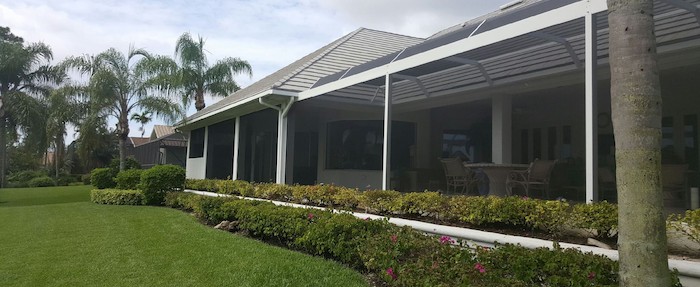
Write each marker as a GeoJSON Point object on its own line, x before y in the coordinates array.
{"type": "Point", "coordinates": [362, 45]}
{"type": "Point", "coordinates": [138, 140]}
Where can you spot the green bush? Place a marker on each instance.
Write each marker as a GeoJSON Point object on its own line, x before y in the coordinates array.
{"type": "Point", "coordinates": [422, 203]}
{"type": "Point", "coordinates": [102, 178]}
{"type": "Point", "coordinates": [25, 176]}
{"type": "Point", "coordinates": [380, 201]}
{"type": "Point", "coordinates": [243, 188]}
{"type": "Point", "coordinates": [548, 215]}
{"type": "Point", "coordinates": [41, 181]}
{"type": "Point", "coordinates": [598, 216]}
{"type": "Point", "coordinates": [688, 224]}
{"type": "Point", "coordinates": [401, 256]}
{"type": "Point", "coordinates": [273, 191]}
{"type": "Point", "coordinates": [130, 163]}
{"type": "Point", "coordinates": [210, 185]}
{"type": "Point", "coordinates": [117, 197]}
{"type": "Point", "coordinates": [158, 180]}
{"type": "Point", "coordinates": [346, 198]}
{"type": "Point", "coordinates": [67, 179]}
{"type": "Point", "coordinates": [85, 178]}
{"type": "Point", "coordinates": [128, 179]}
{"type": "Point", "coordinates": [340, 237]}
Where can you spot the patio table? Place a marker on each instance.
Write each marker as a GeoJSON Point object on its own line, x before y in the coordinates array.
{"type": "Point", "coordinates": [497, 173]}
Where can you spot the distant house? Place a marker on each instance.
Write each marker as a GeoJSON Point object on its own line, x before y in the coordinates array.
{"type": "Point", "coordinates": [164, 146]}
{"type": "Point", "coordinates": [528, 81]}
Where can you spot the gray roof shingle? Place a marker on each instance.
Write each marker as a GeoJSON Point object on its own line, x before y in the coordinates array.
{"type": "Point", "coordinates": [357, 47]}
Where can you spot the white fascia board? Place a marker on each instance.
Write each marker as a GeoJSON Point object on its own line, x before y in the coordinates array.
{"type": "Point", "coordinates": [244, 101]}
{"type": "Point", "coordinates": [547, 19]}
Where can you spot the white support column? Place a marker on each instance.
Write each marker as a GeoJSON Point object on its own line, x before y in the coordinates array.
{"type": "Point", "coordinates": [386, 156]}
{"type": "Point", "coordinates": [501, 129]}
{"type": "Point", "coordinates": [281, 146]}
{"type": "Point", "coordinates": [591, 109]}
{"type": "Point", "coordinates": [236, 147]}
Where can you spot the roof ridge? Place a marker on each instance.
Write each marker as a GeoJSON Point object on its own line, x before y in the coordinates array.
{"type": "Point", "coordinates": [328, 50]}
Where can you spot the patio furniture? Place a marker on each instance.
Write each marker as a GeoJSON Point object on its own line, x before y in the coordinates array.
{"type": "Point", "coordinates": [457, 175]}
{"type": "Point", "coordinates": [674, 183]}
{"type": "Point", "coordinates": [497, 173]}
{"type": "Point", "coordinates": [537, 176]}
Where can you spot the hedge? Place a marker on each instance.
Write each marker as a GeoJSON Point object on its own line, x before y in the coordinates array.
{"type": "Point", "coordinates": [41, 181]}
{"type": "Point", "coordinates": [401, 256]}
{"type": "Point", "coordinates": [102, 178]}
{"type": "Point", "coordinates": [517, 212]}
{"type": "Point", "coordinates": [128, 179]}
{"type": "Point", "coordinates": [117, 197]}
{"type": "Point", "coordinates": [158, 180]}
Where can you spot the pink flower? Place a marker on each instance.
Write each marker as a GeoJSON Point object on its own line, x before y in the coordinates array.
{"type": "Point", "coordinates": [367, 219]}
{"type": "Point", "coordinates": [394, 238]}
{"type": "Point", "coordinates": [591, 275]}
{"type": "Point", "coordinates": [390, 272]}
{"type": "Point", "coordinates": [446, 239]}
{"type": "Point", "coordinates": [310, 216]}
{"type": "Point", "coordinates": [480, 268]}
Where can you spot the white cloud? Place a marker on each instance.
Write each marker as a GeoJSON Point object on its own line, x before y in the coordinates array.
{"type": "Point", "coordinates": [267, 33]}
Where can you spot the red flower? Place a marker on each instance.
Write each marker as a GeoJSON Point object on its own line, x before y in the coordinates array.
{"type": "Point", "coordinates": [310, 216]}
{"type": "Point", "coordinates": [446, 239]}
{"type": "Point", "coordinates": [367, 219]}
{"type": "Point", "coordinates": [394, 238]}
{"type": "Point", "coordinates": [390, 272]}
{"type": "Point", "coordinates": [480, 268]}
{"type": "Point", "coordinates": [591, 275]}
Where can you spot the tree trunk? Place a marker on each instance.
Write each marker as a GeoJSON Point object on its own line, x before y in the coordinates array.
{"type": "Point", "coordinates": [199, 100]}
{"type": "Point", "coordinates": [123, 135]}
{"type": "Point", "coordinates": [636, 116]}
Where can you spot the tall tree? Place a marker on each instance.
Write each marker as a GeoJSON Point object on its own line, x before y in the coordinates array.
{"type": "Point", "coordinates": [63, 107]}
{"type": "Point", "coordinates": [636, 116]}
{"type": "Point", "coordinates": [124, 83]}
{"type": "Point", "coordinates": [25, 75]}
{"type": "Point", "coordinates": [198, 79]}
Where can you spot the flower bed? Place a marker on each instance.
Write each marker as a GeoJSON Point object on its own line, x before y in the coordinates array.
{"type": "Point", "coordinates": [550, 217]}
{"type": "Point", "coordinates": [400, 256]}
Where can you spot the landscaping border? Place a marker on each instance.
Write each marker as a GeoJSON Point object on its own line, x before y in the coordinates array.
{"type": "Point", "coordinates": [689, 272]}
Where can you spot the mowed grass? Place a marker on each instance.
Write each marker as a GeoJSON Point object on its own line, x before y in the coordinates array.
{"type": "Point", "coordinates": [56, 237]}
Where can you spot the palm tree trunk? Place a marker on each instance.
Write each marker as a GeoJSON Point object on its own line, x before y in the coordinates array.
{"type": "Point", "coordinates": [636, 116]}
{"type": "Point", "coordinates": [123, 137]}
{"type": "Point", "coordinates": [199, 100]}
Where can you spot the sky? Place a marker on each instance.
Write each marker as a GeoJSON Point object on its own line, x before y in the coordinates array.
{"type": "Point", "coordinates": [269, 34]}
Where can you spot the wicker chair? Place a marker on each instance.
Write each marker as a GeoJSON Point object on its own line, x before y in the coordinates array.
{"type": "Point", "coordinates": [457, 175]}
{"type": "Point", "coordinates": [537, 176]}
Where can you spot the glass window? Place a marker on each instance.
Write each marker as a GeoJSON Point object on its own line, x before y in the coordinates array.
{"type": "Point", "coordinates": [690, 139]}
{"type": "Point", "coordinates": [667, 132]}
{"type": "Point", "coordinates": [197, 143]}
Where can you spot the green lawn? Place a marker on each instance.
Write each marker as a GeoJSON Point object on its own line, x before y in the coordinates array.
{"type": "Point", "coordinates": [56, 237]}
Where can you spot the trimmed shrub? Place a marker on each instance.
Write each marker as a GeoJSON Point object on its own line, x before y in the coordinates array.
{"type": "Point", "coordinates": [158, 180]}
{"type": "Point", "coordinates": [181, 200]}
{"type": "Point", "coordinates": [210, 185]}
{"type": "Point", "coordinates": [422, 203]}
{"type": "Point", "coordinates": [273, 191]}
{"type": "Point", "coordinates": [688, 224]}
{"type": "Point", "coordinates": [346, 198]}
{"type": "Point", "coordinates": [281, 223]}
{"type": "Point", "coordinates": [380, 201]}
{"type": "Point", "coordinates": [128, 179]}
{"type": "Point", "coordinates": [117, 197]}
{"type": "Point", "coordinates": [598, 216]}
{"type": "Point", "coordinates": [102, 178]}
{"type": "Point", "coordinates": [548, 215]}
{"type": "Point", "coordinates": [41, 181]}
{"type": "Point", "coordinates": [243, 188]}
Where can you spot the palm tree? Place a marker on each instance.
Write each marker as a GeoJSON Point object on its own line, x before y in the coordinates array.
{"type": "Point", "coordinates": [636, 116]}
{"type": "Point", "coordinates": [143, 119]}
{"type": "Point", "coordinates": [63, 108]}
{"type": "Point", "coordinates": [24, 76]}
{"type": "Point", "coordinates": [198, 79]}
{"type": "Point", "coordinates": [124, 83]}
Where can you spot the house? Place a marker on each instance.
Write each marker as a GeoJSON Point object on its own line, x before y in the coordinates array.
{"type": "Point", "coordinates": [164, 146]}
{"type": "Point", "coordinates": [528, 81]}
